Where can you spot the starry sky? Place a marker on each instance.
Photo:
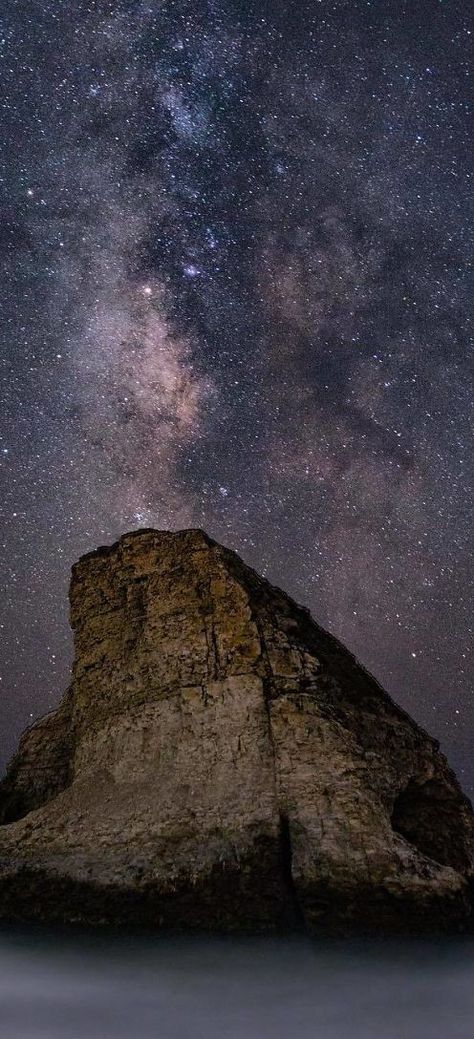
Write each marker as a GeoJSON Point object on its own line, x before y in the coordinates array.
{"type": "Point", "coordinates": [235, 245]}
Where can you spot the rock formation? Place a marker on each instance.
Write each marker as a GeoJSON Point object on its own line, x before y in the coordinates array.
{"type": "Point", "coordinates": [220, 761]}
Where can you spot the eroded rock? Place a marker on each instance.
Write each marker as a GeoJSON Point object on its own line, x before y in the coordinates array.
{"type": "Point", "coordinates": [219, 761]}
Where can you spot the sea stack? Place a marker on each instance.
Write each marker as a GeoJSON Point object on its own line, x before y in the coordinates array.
{"type": "Point", "coordinates": [221, 762]}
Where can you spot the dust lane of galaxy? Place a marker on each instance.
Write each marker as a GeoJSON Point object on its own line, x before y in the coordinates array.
{"type": "Point", "coordinates": [235, 245]}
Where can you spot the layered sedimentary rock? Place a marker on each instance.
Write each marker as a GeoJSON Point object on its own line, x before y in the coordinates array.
{"type": "Point", "coordinates": [220, 761]}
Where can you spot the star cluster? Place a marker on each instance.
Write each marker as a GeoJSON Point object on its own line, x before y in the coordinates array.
{"type": "Point", "coordinates": [236, 279]}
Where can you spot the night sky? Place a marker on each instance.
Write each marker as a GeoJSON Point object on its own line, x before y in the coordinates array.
{"type": "Point", "coordinates": [235, 294]}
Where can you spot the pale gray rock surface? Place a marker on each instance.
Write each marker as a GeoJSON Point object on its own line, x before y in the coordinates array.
{"type": "Point", "coordinates": [219, 761]}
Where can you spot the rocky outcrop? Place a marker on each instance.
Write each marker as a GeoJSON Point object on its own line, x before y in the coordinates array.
{"type": "Point", "coordinates": [41, 767]}
{"type": "Point", "coordinates": [220, 761]}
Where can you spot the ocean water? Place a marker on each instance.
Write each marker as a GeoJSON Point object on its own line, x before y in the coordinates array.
{"type": "Point", "coordinates": [56, 985]}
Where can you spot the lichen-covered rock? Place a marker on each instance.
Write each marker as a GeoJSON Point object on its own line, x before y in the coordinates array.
{"type": "Point", "coordinates": [219, 761]}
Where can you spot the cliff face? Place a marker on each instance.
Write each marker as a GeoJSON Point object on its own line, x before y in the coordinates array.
{"type": "Point", "coordinates": [219, 761]}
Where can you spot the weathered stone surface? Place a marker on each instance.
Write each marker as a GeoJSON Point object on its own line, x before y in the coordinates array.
{"type": "Point", "coordinates": [220, 761]}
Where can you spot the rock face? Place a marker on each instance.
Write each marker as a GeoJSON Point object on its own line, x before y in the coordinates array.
{"type": "Point", "coordinates": [221, 762]}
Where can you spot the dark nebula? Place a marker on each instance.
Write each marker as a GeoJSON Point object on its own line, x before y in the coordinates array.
{"type": "Point", "coordinates": [235, 262]}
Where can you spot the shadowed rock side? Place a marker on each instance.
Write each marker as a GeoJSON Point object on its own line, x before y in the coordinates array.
{"type": "Point", "coordinates": [221, 762]}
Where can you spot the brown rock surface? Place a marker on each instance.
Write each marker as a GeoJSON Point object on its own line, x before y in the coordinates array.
{"type": "Point", "coordinates": [220, 761]}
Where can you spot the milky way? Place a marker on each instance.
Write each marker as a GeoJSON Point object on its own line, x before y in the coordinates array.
{"type": "Point", "coordinates": [235, 269]}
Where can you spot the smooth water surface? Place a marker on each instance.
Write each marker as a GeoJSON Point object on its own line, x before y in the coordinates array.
{"type": "Point", "coordinates": [56, 985]}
